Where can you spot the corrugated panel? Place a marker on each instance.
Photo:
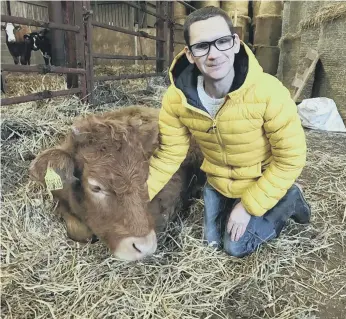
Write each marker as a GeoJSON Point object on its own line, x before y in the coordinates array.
{"type": "Point", "coordinates": [36, 11]}
{"type": "Point", "coordinates": [116, 14]}
{"type": "Point", "coordinates": [3, 7]}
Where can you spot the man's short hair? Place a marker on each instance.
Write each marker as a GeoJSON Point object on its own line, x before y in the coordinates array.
{"type": "Point", "coordinates": [204, 14]}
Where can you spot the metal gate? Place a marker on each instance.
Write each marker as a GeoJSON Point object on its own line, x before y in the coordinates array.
{"type": "Point", "coordinates": [80, 56]}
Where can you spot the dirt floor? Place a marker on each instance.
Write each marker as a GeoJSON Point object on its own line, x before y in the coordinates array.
{"type": "Point", "coordinates": [302, 274]}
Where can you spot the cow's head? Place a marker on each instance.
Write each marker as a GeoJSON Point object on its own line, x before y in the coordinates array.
{"type": "Point", "coordinates": [10, 30]}
{"type": "Point", "coordinates": [104, 171]}
{"type": "Point", "coordinates": [33, 37]}
{"type": "Point", "coordinates": [38, 39]}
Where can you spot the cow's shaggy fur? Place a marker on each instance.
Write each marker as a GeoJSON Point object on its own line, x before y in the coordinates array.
{"type": "Point", "coordinates": [113, 151]}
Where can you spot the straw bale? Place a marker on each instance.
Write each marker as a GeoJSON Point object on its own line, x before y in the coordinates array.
{"type": "Point", "coordinates": [288, 61]}
{"type": "Point", "coordinates": [309, 40]}
{"type": "Point", "coordinates": [242, 7]}
{"type": "Point", "coordinates": [291, 16]}
{"type": "Point", "coordinates": [267, 30]}
{"type": "Point", "coordinates": [179, 9]}
{"type": "Point", "coordinates": [270, 7]}
{"type": "Point", "coordinates": [202, 4]}
{"type": "Point", "coordinates": [331, 80]}
{"type": "Point", "coordinates": [268, 58]}
{"type": "Point", "coordinates": [179, 12]}
{"type": "Point", "coordinates": [328, 13]}
{"type": "Point", "coordinates": [294, 44]}
{"type": "Point", "coordinates": [244, 23]}
{"type": "Point", "coordinates": [255, 8]}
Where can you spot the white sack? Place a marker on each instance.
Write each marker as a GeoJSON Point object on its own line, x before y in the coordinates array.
{"type": "Point", "coordinates": [321, 114]}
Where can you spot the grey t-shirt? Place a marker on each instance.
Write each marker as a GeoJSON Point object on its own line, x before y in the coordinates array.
{"type": "Point", "coordinates": [212, 105]}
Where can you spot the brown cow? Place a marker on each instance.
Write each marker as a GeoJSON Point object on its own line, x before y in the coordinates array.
{"type": "Point", "coordinates": [18, 42]}
{"type": "Point", "coordinates": [103, 165]}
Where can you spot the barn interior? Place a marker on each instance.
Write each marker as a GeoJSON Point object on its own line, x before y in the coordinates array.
{"type": "Point", "coordinates": [44, 274]}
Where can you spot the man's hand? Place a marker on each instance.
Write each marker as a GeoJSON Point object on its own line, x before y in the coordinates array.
{"type": "Point", "coordinates": [238, 221]}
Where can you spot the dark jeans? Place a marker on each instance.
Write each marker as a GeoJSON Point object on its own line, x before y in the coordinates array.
{"type": "Point", "coordinates": [217, 209]}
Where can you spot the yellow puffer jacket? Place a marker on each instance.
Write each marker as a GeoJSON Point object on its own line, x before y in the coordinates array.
{"type": "Point", "coordinates": [255, 147]}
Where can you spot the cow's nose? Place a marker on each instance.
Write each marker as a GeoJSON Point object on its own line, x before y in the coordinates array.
{"type": "Point", "coordinates": [136, 248]}
{"type": "Point", "coordinates": [145, 245]}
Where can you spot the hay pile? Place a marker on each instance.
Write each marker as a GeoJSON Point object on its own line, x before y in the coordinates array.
{"type": "Point", "coordinates": [46, 275]}
{"type": "Point", "coordinates": [317, 25]}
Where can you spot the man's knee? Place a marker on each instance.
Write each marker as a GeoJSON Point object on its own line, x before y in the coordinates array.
{"type": "Point", "coordinates": [235, 248]}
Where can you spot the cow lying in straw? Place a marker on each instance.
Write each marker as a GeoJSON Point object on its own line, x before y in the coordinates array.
{"type": "Point", "coordinates": [99, 173]}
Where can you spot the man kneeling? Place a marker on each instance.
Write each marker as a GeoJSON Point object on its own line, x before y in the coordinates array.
{"type": "Point", "coordinates": [248, 129]}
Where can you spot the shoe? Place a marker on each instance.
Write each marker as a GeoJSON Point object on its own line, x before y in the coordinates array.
{"type": "Point", "coordinates": [302, 211]}
{"type": "Point", "coordinates": [292, 205]}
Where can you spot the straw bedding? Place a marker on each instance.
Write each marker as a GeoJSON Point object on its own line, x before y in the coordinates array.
{"type": "Point", "coordinates": [45, 275]}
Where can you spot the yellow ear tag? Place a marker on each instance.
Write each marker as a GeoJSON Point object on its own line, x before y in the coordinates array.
{"type": "Point", "coordinates": [53, 180]}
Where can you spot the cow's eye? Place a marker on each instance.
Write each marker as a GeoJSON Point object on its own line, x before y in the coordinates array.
{"type": "Point", "coordinates": [96, 189]}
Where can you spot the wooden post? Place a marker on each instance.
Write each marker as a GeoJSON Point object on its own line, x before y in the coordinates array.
{"type": "Point", "coordinates": [8, 7]}
{"type": "Point", "coordinates": [165, 5]}
{"type": "Point", "coordinates": [89, 52]}
{"type": "Point", "coordinates": [160, 32]}
{"type": "Point", "coordinates": [56, 36]}
{"type": "Point", "coordinates": [142, 16]}
{"type": "Point", "coordinates": [70, 43]}
{"type": "Point", "coordinates": [170, 38]}
{"type": "Point", "coordinates": [80, 45]}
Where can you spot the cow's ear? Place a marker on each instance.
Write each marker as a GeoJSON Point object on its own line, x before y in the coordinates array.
{"type": "Point", "coordinates": [3, 27]}
{"type": "Point", "coordinates": [76, 230]}
{"type": "Point", "coordinates": [149, 138]}
{"type": "Point", "coordinates": [58, 161]}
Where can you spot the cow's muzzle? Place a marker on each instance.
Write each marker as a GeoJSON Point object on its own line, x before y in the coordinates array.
{"type": "Point", "coordinates": [136, 248]}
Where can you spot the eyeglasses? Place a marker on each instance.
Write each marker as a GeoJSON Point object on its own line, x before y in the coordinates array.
{"type": "Point", "coordinates": [222, 44]}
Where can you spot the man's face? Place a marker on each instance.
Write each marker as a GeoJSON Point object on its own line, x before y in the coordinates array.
{"type": "Point", "coordinates": [216, 65]}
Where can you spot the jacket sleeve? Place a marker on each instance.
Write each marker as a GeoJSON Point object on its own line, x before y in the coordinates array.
{"type": "Point", "coordinates": [174, 142]}
{"type": "Point", "coordinates": [286, 136]}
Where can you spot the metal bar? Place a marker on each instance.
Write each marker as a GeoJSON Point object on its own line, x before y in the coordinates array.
{"type": "Point", "coordinates": [145, 10]}
{"type": "Point", "coordinates": [70, 43]}
{"type": "Point", "coordinates": [165, 46]}
{"type": "Point", "coordinates": [114, 28]}
{"type": "Point", "coordinates": [38, 96]}
{"type": "Point", "coordinates": [125, 57]}
{"type": "Point", "coordinates": [160, 32]}
{"type": "Point", "coordinates": [126, 77]}
{"type": "Point", "coordinates": [80, 45]}
{"type": "Point", "coordinates": [187, 5]}
{"type": "Point", "coordinates": [35, 3]}
{"type": "Point", "coordinates": [89, 51]}
{"type": "Point", "coordinates": [171, 33]}
{"type": "Point", "coordinates": [41, 68]}
{"type": "Point", "coordinates": [142, 17]}
{"type": "Point", "coordinates": [3, 82]}
{"type": "Point", "coordinates": [42, 24]}
{"type": "Point", "coordinates": [57, 39]}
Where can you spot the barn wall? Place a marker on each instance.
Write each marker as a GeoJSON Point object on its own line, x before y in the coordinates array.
{"type": "Point", "coordinates": [37, 10]}
{"type": "Point", "coordinates": [116, 14]}
{"type": "Point", "coordinates": [110, 42]}
{"type": "Point", "coordinates": [104, 41]}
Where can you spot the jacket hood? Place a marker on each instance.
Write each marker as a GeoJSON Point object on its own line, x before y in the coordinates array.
{"type": "Point", "coordinates": [183, 75]}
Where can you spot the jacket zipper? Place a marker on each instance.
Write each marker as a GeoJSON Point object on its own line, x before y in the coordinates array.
{"type": "Point", "coordinates": [218, 137]}
{"type": "Point", "coordinates": [214, 128]}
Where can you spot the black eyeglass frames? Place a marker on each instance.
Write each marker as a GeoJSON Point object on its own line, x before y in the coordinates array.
{"type": "Point", "coordinates": [222, 44]}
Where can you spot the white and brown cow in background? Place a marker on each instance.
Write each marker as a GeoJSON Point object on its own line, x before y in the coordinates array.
{"type": "Point", "coordinates": [18, 42]}
{"type": "Point", "coordinates": [103, 167]}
